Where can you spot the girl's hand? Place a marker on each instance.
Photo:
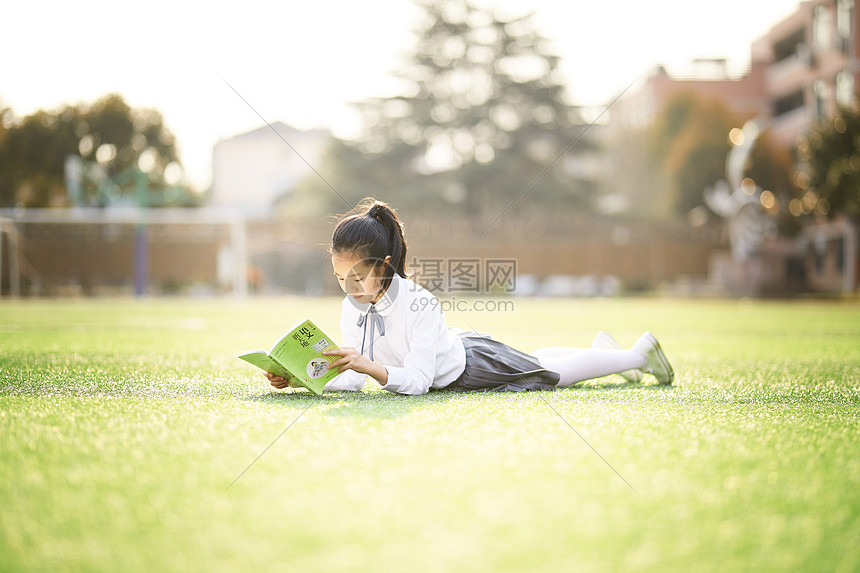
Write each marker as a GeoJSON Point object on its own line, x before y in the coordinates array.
{"type": "Point", "coordinates": [350, 359]}
{"type": "Point", "coordinates": [280, 382]}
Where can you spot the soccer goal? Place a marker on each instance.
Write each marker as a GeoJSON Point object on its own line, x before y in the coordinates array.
{"type": "Point", "coordinates": [123, 250]}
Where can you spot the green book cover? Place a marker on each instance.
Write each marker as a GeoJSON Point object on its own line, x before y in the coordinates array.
{"type": "Point", "coordinates": [298, 354]}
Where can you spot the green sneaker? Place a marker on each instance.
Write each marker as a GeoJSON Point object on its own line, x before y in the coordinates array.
{"type": "Point", "coordinates": [658, 364]}
{"type": "Point", "coordinates": [606, 341]}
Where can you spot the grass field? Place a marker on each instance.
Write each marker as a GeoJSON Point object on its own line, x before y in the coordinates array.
{"type": "Point", "coordinates": [123, 423]}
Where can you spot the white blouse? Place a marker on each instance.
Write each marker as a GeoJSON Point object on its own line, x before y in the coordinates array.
{"type": "Point", "coordinates": [417, 349]}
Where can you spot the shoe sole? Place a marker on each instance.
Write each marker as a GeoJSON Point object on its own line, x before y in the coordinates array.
{"type": "Point", "coordinates": [664, 362]}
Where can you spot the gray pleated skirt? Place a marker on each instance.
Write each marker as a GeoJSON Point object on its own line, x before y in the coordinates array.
{"type": "Point", "coordinates": [492, 365]}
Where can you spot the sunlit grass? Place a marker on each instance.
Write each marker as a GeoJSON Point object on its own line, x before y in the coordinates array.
{"type": "Point", "coordinates": [123, 423]}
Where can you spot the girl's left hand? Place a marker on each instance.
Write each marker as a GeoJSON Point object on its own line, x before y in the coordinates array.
{"type": "Point", "coordinates": [351, 359]}
{"type": "Point", "coordinates": [280, 383]}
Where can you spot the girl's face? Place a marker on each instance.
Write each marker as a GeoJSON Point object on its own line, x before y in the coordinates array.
{"type": "Point", "coordinates": [357, 278]}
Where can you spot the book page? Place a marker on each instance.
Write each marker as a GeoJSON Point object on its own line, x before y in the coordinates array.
{"type": "Point", "coordinates": [261, 360]}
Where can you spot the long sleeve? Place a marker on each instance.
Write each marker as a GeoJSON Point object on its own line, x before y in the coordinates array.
{"type": "Point", "coordinates": [349, 381]}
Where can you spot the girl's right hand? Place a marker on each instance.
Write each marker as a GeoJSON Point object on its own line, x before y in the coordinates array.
{"type": "Point", "coordinates": [280, 382]}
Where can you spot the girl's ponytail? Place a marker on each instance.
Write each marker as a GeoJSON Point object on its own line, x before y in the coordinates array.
{"type": "Point", "coordinates": [388, 218]}
{"type": "Point", "coordinates": [372, 232]}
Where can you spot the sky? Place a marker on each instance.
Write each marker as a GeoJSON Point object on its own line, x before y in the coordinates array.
{"type": "Point", "coordinates": [303, 63]}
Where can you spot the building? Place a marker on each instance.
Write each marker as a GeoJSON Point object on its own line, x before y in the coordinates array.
{"type": "Point", "coordinates": [811, 65]}
{"type": "Point", "coordinates": [253, 170]}
{"type": "Point", "coordinates": [744, 94]}
{"type": "Point", "coordinates": [813, 68]}
{"type": "Point", "coordinates": [800, 71]}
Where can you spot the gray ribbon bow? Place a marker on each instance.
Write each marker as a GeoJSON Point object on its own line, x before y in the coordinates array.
{"type": "Point", "coordinates": [375, 322]}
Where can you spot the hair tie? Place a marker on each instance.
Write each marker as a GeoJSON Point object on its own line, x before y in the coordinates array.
{"type": "Point", "coordinates": [375, 211]}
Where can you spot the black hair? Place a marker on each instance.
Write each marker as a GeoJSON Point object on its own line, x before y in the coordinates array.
{"type": "Point", "coordinates": [372, 231]}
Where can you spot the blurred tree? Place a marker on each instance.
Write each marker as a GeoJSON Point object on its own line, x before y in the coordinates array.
{"type": "Point", "coordinates": [349, 175]}
{"type": "Point", "coordinates": [830, 157]}
{"type": "Point", "coordinates": [635, 182]}
{"type": "Point", "coordinates": [771, 166]}
{"type": "Point", "coordinates": [672, 122]}
{"type": "Point", "coordinates": [481, 114]}
{"type": "Point", "coordinates": [691, 145]}
{"type": "Point", "coordinates": [5, 119]}
{"type": "Point", "coordinates": [32, 155]}
{"type": "Point", "coordinates": [33, 151]}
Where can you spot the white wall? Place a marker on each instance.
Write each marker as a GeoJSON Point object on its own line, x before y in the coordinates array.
{"type": "Point", "coordinates": [251, 170]}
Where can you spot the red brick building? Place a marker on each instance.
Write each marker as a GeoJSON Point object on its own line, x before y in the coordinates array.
{"type": "Point", "coordinates": [800, 70]}
{"type": "Point", "coordinates": [811, 65]}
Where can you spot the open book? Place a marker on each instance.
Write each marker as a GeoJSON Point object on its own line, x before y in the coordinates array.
{"type": "Point", "coordinates": [298, 354]}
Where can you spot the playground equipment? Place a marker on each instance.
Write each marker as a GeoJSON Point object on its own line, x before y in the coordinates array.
{"type": "Point", "coordinates": [87, 185]}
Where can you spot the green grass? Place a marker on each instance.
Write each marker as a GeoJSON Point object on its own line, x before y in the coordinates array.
{"type": "Point", "coordinates": [123, 423]}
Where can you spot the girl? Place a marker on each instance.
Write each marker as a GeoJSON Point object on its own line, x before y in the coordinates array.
{"type": "Point", "coordinates": [395, 332]}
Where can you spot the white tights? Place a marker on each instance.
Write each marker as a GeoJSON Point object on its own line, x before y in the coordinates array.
{"type": "Point", "coordinates": [575, 365]}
